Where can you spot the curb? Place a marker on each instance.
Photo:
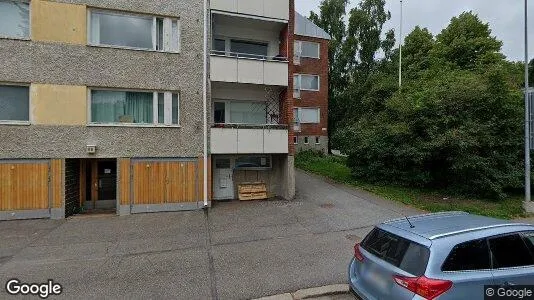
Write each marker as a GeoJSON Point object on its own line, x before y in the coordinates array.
{"type": "Point", "coordinates": [315, 292]}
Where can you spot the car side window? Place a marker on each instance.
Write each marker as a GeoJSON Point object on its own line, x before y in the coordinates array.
{"type": "Point", "coordinates": [510, 251]}
{"type": "Point", "coordinates": [468, 256]}
{"type": "Point", "coordinates": [528, 237]}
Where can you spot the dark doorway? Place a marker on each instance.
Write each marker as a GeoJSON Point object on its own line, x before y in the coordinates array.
{"type": "Point", "coordinates": [100, 184]}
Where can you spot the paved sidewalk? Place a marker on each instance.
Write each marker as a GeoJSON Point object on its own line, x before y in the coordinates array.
{"type": "Point", "coordinates": [239, 250]}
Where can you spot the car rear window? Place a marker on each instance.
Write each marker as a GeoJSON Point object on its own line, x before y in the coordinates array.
{"type": "Point", "coordinates": [398, 251]}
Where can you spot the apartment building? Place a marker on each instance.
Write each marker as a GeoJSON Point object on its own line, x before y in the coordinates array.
{"type": "Point", "coordinates": [103, 105]}
{"type": "Point", "coordinates": [310, 86]}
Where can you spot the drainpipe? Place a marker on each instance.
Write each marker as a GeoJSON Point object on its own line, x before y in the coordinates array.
{"type": "Point", "coordinates": [205, 96]}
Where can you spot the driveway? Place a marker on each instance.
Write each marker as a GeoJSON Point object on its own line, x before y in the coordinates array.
{"type": "Point", "coordinates": [236, 250]}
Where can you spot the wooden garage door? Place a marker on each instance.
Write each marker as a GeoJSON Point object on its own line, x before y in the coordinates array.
{"type": "Point", "coordinates": [158, 182]}
{"type": "Point", "coordinates": [24, 186]}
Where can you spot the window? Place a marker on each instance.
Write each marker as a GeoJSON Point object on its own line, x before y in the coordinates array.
{"type": "Point", "coordinates": [468, 256]}
{"type": "Point", "coordinates": [128, 107]}
{"type": "Point", "coordinates": [14, 19]}
{"type": "Point", "coordinates": [246, 112]}
{"type": "Point", "coordinates": [219, 45]}
{"type": "Point", "coordinates": [510, 251]}
{"type": "Point", "coordinates": [14, 103]}
{"type": "Point", "coordinates": [134, 31]}
{"type": "Point", "coordinates": [306, 82]}
{"type": "Point", "coordinates": [296, 140]}
{"type": "Point", "coordinates": [401, 253]}
{"type": "Point", "coordinates": [306, 140]}
{"type": "Point", "coordinates": [249, 49]}
{"type": "Point", "coordinates": [307, 49]}
{"type": "Point", "coordinates": [253, 162]}
{"type": "Point", "coordinates": [317, 140]}
{"type": "Point", "coordinates": [307, 115]}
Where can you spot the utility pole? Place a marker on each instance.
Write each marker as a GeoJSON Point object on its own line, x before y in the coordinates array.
{"type": "Point", "coordinates": [528, 204]}
{"type": "Point", "coordinates": [400, 45]}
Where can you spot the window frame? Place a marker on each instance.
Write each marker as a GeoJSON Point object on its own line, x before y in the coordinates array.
{"type": "Point", "coordinates": [299, 81]}
{"type": "Point", "coordinates": [295, 140]}
{"type": "Point", "coordinates": [298, 117]}
{"type": "Point", "coordinates": [155, 109]}
{"type": "Point", "coordinates": [29, 37]}
{"type": "Point", "coordinates": [167, 23]}
{"type": "Point", "coordinates": [30, 116]}
{"type": "Point", "coordinates": [301, 42]}
{"type": "Point", "coordinates": [317, 140]}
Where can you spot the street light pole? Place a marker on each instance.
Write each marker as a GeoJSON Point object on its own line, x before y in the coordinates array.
{"type": "Point", "coordinates": [400, 45]}
{"type": "Point", "coordinates": [528, 204]}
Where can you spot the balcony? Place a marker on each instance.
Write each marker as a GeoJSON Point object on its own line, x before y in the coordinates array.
{"type": "Point", "coordinates": [273, 9]}
{"type": "Point", "coordinates": [247, 68]}
{"type": "Point", "coordinates": [249, 139]}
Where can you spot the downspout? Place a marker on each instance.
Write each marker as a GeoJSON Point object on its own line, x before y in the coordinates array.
{"type": "Point", "coordinates": [205, 99]}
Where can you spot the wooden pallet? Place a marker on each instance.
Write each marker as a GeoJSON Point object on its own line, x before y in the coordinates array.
{"type": "Point", "coordinates": [252, 191]}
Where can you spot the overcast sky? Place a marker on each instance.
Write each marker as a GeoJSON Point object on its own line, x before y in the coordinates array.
{"type": "Point", "coordinates": [506, 18]}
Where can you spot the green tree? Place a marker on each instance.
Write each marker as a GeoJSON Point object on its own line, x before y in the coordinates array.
{"type": "Point", "coordinates": [467, 43]}
{"type": "Point", "coordinates": [531, 73]}
{"type": "Point", "coordinates": [416, 50]}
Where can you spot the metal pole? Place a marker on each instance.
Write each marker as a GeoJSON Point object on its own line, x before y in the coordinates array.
{"type": "Point", "coordinates": [205, 106]}
{"type": "Point", "coordinates": [400, 46]}
{"type": "Point", "coordinates": [527, 114]}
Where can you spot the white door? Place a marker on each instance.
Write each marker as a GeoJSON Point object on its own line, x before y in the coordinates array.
{"type": "Point", "coordinates": [223, 182]}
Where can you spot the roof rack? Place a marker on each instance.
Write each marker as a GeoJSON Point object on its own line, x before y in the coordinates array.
{"type": "Point", "coordinates": [441, 235]}
{"type": "Point", "coordinates": [445, 213]}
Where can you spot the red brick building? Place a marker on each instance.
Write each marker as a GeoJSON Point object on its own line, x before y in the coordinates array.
{"type": "Point", "coordinates": [308, 72]}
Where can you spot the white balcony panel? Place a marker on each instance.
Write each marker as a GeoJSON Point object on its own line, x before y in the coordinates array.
{"type": "Point", "coordinates": [224, 69]}
{"type": "Point", "coordinates": [250, 71]}
{"type": "Point", "coordinates": [223, 140]}
{"type": "Point", "coordinates": [278, 9]}
{"type": "Point", "coordinates": [276, 141]}
{"type": "Point", "coordinates": [249, 141]}
{"type": "Point", "coordinates": [273, 9]}
{"type": "Point", "coordinates": [224, 5]}
{"type": "Point", "coordinates": [275, 73]}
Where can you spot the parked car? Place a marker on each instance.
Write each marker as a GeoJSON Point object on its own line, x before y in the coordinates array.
{"type": "Point", "coordinates": [444, 255]}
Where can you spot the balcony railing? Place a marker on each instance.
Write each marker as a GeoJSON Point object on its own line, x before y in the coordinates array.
{"type": "Point", "coordinates": [279, 58]}
{"type": "Point", "coordinates": [249, 68]}
{"type": "Point", "coordinates": [249, 139]}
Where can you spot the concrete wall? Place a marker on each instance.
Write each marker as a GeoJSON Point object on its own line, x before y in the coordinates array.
{"type": "Point", "coordinates": [253, 71]}
{"type": "Point", "coordinates": [58, 104]}
{"type": "Point", "coordinates": [58, 58]}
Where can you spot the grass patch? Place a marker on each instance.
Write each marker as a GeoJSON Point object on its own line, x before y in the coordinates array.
{"type": "Point", "coordinates": [335, 168]}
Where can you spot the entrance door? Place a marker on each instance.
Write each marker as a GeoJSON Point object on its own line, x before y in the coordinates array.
{"type": "Point", "coordinates": [223, 185]}
{"type": "Point", "coordinates": [101, 183]}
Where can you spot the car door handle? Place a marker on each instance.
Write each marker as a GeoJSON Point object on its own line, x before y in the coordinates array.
{"type": "Point", "coordinates": [507, 283]}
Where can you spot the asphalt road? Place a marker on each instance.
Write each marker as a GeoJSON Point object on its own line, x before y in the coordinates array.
{"type": "Point", "coordinates": [236, 250]}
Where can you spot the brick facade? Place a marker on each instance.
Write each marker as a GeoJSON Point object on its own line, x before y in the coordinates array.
{"type": "Point", "coordinates": [313, 99]}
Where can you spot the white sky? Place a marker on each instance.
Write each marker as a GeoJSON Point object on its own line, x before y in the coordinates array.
{"type": "Point", "coordinates": [506, 18]}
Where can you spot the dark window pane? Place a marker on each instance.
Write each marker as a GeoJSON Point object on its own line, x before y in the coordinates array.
{"type": "Point", "coordinates": [121, 30]}
{"type": "Point", "coordinates": [14, 19]}
{"type": "Point", "coordinates": [219, 45]}
{"type": "Point", "coordinates": [510, 251]}
{"type": "Point", "coordinates": [245, 162]}
{"type": "Point", "coordinates": [219, 116]}
{"type": "Point", "coordinates": [402, 253]}
{"type": "Point", "coordinates": [161, 108]}
{"type": "Point", "coordinates": [175, 109]}
{"type": "Point", "coordinates": [159, 34]}
{"type": "Point", "coordinates": [255, 49]}
{"type": "Point", "coordinates": [14, 103]}
{"type": "Point", "coordinates": [121, 107]}
{"type": "Point", "coordinates": [473, 255]}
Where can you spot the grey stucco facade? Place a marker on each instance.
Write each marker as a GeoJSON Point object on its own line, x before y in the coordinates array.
{"type": "Point", "coordinates": [30, 62]}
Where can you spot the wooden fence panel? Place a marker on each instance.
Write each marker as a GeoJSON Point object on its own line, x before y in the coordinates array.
{"type": "Point", "coordinates": [24, 186]}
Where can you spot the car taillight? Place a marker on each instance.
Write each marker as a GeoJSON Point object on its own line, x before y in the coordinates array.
{"type": "Point", "coordinates": [425, 287]}
{"type": "Point", "coordinates": [358, 253]}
